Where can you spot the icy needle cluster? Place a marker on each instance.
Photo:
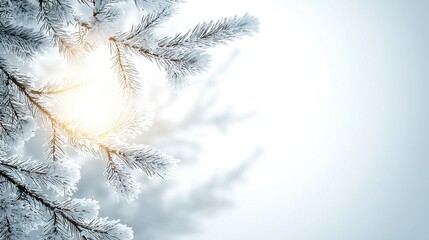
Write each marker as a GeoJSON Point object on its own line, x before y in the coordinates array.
{"type": "Point", "coordinates": [37, 193]}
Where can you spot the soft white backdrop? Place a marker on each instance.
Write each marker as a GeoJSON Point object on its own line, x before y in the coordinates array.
{"type": "Point", "coordinates": [341, 88]}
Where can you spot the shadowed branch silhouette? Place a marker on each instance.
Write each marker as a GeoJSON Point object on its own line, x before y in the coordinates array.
{"type": "Point", "coordinates": [165, 216]}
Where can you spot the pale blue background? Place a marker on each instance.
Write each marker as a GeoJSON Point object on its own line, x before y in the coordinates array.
{"type": "Point", "coordinates": [358, 165]}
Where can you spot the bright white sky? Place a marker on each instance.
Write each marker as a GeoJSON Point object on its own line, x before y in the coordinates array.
{"type": "Point", "coordinates": [341, 88]}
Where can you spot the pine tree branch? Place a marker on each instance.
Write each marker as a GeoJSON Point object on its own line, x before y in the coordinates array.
{"type": "Point", "coordinates": [20, 41]}
{"type": "Point", "coordinates": [81, 227]}
{"type": "Point", "coordinates": [125, 69]}
{"type": "Point", "coordinates": [58, 176]}
{"type": "Point", "coordinates": [35, 195]}
{"type": "Point", "coordinates": [180, 56]}
{"type": "Point", "coordinates": [55, 151]}
{"type": "Point", "coordinates": [178, 63]}
{"type": "Point", "coordinates": [23, 89]}
{"type": "Point", "coordinates": [129, 124]}
{"type": "Point", "coordinates": [54, 16]}
{"type": "Point", "coordinates": [156, 5]}
{"type": "Point", "coordinates": [13, 115]}
{"type": "Point", "coordinates": [121, 179]}
{"type": "Point", "coordinates": [54, 144]}
{"type": "Point", "coordinates": [8, 232]}
{"type": "Point", "coordinates": [14, 224]}
{"type": "Point", "coordinates": [21, 12]}
{"type": "Point", "coordinates": [156, 165]}
{"type": "Point", "coordinates": [12, 104]}
{"type": "Point", "coordinates": [151, 21]}
{"type": "Point", "coordinates": [54, 88]}
{"type": "Point", "coordinates": [210, 34]}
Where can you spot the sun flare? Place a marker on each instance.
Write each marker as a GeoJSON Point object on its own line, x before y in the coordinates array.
{"type": "Point", "coordinates": [95, 104]}
{"type": "Point", "coordinates": [93, 107]}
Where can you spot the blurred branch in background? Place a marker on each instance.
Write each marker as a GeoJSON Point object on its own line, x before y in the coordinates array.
{"type": "Point", "coordinates": [203, 113]}
{"type": "Point", "coordinates": [182, 214]}
{"type": "Point", "coordinates": [159, 213]}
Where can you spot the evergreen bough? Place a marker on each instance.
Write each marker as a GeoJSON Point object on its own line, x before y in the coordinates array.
{"type": "Point", "coordinates": [76, 27]}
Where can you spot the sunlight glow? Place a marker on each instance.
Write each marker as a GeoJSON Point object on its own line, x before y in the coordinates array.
{"type": "Point", "coordinates": [95, 105]}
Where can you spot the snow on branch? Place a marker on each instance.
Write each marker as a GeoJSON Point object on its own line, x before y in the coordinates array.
{"type": "Point", "coordinates": [25, 29]}
{"type": "Point", "coordinates": [68, 219]}
{"type": "Point", "coordinates": [21, 12]}
{"type": "Point", "coordinates": [152, 20]}
{"type": "Point", "coordinates": [182, 56]}
{"type": "Point", "coordinates": [178, 63]}
{"type": "Point", "coordinates": [127, 73]}
{"type": "Point", "coordinates": [152, 162]}
{"type": "Point", "coordinates": [55, 147]}
{"type": "Point", "coordinates": [54, 15]}
{"type": "Point", "coordinates": [129, 124]}
{"type": "Point", "coordinates": [102, 23]}
{"type": "Point", "coordinates": [60, 177]}
{"type": "Point", "coordinates": [210, 34]}
{"type": "Point", "coordinates": [121, 178]}
{"type": "Point", "coordinates": [21, 41]}
{"type": "Point", "coordinates": [122, 162]}
{"type": "Point", "coordinates": [55, 88]}
{"type": "Point", "coordinates": [155, 5]}
{"type": "Point", "coordinates": [14, 224]}
{"type": "Point", "coordinates": [16, 123]}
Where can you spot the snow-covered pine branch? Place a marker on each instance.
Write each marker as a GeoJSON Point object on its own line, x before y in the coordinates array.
{"type": "Point", "coordinates": [67, 219]}
{"type": "Point", "coordinates": [55, 15]}
{"type": "Point", "coordinates": [127, 73]}
{"type": "Point", "coordinates": [155, 163]}
{"type": "Point", "coordinates": [18, 217]}
{"type": "Point", "coordinates": [21, 12]}
{"type": "Point", "coordinates": [182, 56]}
{"type": "Point", "coordinates": [155, 5]}
{"type": "Point", "coordinates": [130, 123]}
{"type": "Point", "coordinates": [16, 122]}
{"type": "Point", "coordinates": [103, 21]}
{"type": "Point", "coordinates": [55, 88]}
{"type": "Point", "coordinates": [210, 34]}
{"type": "Point", "coordinates": [61, 177]}
{"type": "Point", "coordinates": [151, 20]}
{"type": "Point", "coordinates": [152, 162]}
{"type": "Point", "coordinates": [20, 41]}
{"type": "Point", "coordinates": [25, 29]}
{"type": "Point", "coordinates": [55, 147]}
{"type": "Point", "coordinates": [121, 178]}
{"type": "Point", "coordinates": [178, 63]}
